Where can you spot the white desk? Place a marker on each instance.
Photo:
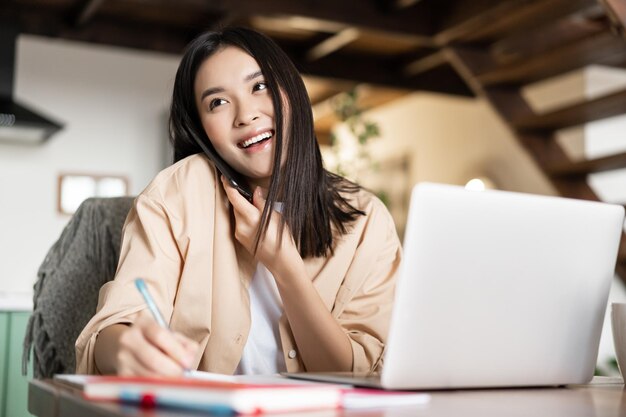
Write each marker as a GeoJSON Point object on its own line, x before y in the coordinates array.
{"type": "Point", "coordinates": [602, 398]}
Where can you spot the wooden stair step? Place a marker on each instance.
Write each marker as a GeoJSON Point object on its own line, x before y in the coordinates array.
{"type": "Point", "coordinates": [616, 10]}
{"type": "Point", "coordinates": [546, 37]}
{"type": "Point", "coordinates": [499, 71]}
{"type": "Point", "coordinates": [599, 108]}
{"type": "Point", "coordinates": [603, 48]}
{"type": "Point", "coordinates": [588, 166]}
{"type": "Point", "coordinates": [481, 21]}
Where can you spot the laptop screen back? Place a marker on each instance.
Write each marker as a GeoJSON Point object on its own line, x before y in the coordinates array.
{"type": "Point", "coordinates": [500, 289]}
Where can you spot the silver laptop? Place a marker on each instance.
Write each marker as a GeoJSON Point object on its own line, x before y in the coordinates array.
{"type": "Point", "coordinates": [497, 289]}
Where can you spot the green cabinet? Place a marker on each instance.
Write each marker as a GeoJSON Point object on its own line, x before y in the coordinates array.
{"type": "Point", "coordinates": [13, 386]}
{"type": "Point", "coordinates": [4, 358]}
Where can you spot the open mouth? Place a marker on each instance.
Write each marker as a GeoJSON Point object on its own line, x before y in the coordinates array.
{"type": "Point", "coordinates": [256, 140]}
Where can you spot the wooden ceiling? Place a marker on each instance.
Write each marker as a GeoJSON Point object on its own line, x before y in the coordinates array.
{"type": "Point", "coordinates": [393, 46]}
{"type": "Point", "coordinates": [391, 43]}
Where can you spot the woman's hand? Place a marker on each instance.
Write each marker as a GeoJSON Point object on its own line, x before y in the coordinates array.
{"type": "Point", "coordinates": [147, 349]}
{"type": "Point", "coordinates": [270, 252]}
{"type": "Point", "coordinates": [322, 342]}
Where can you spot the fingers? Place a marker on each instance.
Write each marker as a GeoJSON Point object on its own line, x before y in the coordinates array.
{"type": "Point", "coordinates": [168, 343]}
{"type": "Point", "coordinates": [247, 220]}
{"type": "Point", "coordinates": [145, 360]}
{"type": "Point", "coordinates": [247, 216]}
{"type": "Point", "coordinates": [155, 360]}
{"type": "Point", "coordinates": [190, 346]}
{"type": "Point", "coordinates": [258, 199]}
{"type": "Point", "coordinates": [146, 349]}
{"type": "Point", "coordinates": [239, 202]}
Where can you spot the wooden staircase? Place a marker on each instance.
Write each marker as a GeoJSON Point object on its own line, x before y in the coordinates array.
{"type": "Point", "coordinates": [500, 52]}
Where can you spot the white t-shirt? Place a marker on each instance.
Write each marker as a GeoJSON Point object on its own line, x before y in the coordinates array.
{"type": "Point", "coordinates": [263, 353]}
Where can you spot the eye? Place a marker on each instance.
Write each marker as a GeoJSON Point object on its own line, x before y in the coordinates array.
{"type": "Point", "coordinates": [216, 102]}
{"type": "Point", "coordinates": [260, 86]}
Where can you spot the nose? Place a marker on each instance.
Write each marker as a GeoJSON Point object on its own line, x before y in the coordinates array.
{"type": "Point", "coordinates": [246, 114]}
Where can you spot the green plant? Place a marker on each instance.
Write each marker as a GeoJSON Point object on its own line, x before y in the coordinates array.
{"type": "Point", "coordinates": [351, 152]}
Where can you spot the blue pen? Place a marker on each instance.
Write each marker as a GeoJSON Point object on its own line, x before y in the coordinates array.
{"type": "Point", "coordinates": [143, 289]}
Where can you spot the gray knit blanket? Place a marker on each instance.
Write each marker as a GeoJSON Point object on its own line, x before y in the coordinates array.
{"type": "Point", "coordinates": [68, 281]}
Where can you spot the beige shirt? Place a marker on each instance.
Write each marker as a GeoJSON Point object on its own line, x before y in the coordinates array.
{"type": "Point", "coordinates": [179, 237]}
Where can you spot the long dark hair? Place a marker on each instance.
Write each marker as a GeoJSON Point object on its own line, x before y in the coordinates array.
{"type": "Point", "coordinates": [313, 204]}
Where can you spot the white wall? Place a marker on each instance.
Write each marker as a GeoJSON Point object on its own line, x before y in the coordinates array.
{"type": "Point", "coordinates": [113, 103]}
{"type": "Point", "coordinates": [452, 140]}
{"type": "Point", "coordinates": [440, 138]}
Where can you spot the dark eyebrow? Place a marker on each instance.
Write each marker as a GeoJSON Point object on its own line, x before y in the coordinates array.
{"type": "Point", "coordinates": [210, 91]}
{"type": "Point", "coordinates": [254, 75]}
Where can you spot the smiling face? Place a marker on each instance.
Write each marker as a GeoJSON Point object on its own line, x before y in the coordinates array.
{"type": "Point", "coordinates": [236, 111]}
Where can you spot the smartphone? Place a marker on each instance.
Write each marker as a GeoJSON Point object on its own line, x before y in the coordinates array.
{"type": "Point", "coordinates": [234, 178]}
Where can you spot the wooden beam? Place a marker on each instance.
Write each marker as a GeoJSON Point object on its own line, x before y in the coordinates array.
{"type": "Point", "coordinates": [167, 15]}
{"type": "Point", "coordinates": [396, 4]}
{"type": "Point", "coordinates": [616, 9]}
{"type": "Point", "coordinates": [425, 64]}
{"type": "Point", "coordinates": [545, 37]}
{"type": "Point", "coordinates": [87, 11]}
{"type": "Point", "coordinates": [603, 48]}
{"type": "Point", "coordinates": [588, 166]}
{"type": "Point", "coordinates": [461, 18]}
{"type": "Point", "coordinates": [53, 23]}
{"type": "Point", "coordinates": [354, 67]}
{"type": "Point", "coordinates": [376, 70]}
{"type": "Point", "coordinates": [442, 79]}
{"type": "Point", "coordinates": [470, 60]}
{"type": "Point", "coordinates": [467, 61]}
{"type": "Point", "coordinates": [547, 153]}
{"type": "Point", "coordinates": [332, 44]}
{"type": "Point", "coordinates": [358, 13]}
{"type": "Point", "coordinates": [475, 21]}
{"type": "Point", "coordinates": [402, 4]}
{"type": "Point", "coordinates": [588, 111]}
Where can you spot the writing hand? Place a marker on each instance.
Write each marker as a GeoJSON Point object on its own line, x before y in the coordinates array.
{"type": "Point", "coordinates": [147, 349]}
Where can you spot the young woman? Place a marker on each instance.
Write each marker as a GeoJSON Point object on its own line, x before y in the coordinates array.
{"type": "Point", "coordinates": [301, 278]}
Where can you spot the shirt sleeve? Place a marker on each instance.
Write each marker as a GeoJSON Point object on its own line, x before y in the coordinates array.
{"type": "Point", "coordinates": [365, 299]}
{"type": "Point", "coordinates": [150, 251]}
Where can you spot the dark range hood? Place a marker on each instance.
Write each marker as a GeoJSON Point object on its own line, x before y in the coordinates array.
{"type": "Point", "coordinates": [18, 124]}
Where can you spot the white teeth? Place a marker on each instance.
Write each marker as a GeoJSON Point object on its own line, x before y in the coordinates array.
{"type": "Point", "coordinates": [256, 139]}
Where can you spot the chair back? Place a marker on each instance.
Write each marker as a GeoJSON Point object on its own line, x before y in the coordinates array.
{"type": "Point", "coordinates": [68, 282]}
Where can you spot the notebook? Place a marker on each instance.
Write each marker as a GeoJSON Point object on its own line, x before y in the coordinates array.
{"type": "Point", "coordinates": [228, 395]}
{"type": "Point", "coordinates": [497, 289]}
{"type": "Point", "coordinates": [217, 397]}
